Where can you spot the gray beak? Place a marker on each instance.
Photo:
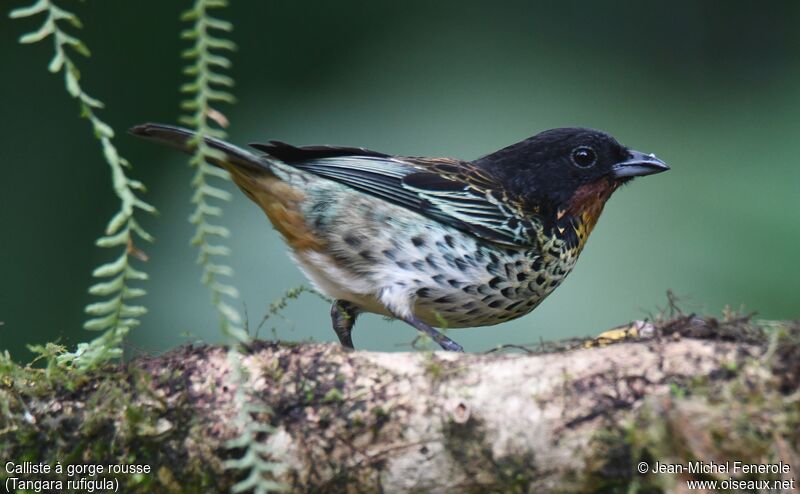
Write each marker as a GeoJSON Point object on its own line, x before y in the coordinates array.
{"type": "Point", "coordinates": [638, 165]}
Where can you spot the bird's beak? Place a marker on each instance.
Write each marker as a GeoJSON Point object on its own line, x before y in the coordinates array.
{"type": "Point", "coordinates": [638, 165]}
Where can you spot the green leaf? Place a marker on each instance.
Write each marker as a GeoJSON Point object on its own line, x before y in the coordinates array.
{"type": "Point", "coordinates": [204, 209]}
{"type": "Point", "coordinates": [218, 60]}
{"type": "Point", "coordinates": [111, 268]}
{"type": "Point", "coordinates": [71, 76]}
{"type": "Point", "coordinates": [144, 206]}
{"type": "Point", "coordinates": [237, 333]}
{"type": "Point", "coordinates": [132, 311]}
{"type": "Point", "coordinates": [120, 238]}
{"type": "Point", "coordinates": [211, 191]}
{"type": "Point", "coordinates": [219, 269]}
{"type": "Point", "coordinates": [215, 250]}
{"type": "Point", "coordinates": [219, 134]}
{"type": "Point", "coordinates": [189, 34]}
{"type": "Point", "coordinates": [94, 103]}
{"type": "Point", "coordinates": [229, 312]}
{"type": "Point", "coordinates": [100, 323]}
{"type": "Point", "coordinates": [217, 172]}
{"type": "Point", "coordinates": [102, 129]}
{"type": "Point", "coordinates": [189, 105]}
{"type": "Point", "coordinates": [105, 307]}
{"type": "Point", "coordinates": [190, 121]}
{"type": "Point", "coordinates": [129, 323]}
{"type": "Point", "coordinates": [117, 221]}
{"type": "Point", "coordinates": [209, 152]}
{"type": "Point", "coordinates": [190, 87]}
{"type": "Point", "coordinates": [220, 44]}
{"type": "Point", "coordinates": [46, 30]}
{"type": "Point", "coordinates": [224, 289]}
{"type": "Point", "coordinates": [216, 4]}
{"type": "Point", "coordinates": [80, 47]}
{"type": "Point", "coordinates": [257, 483]}
{"type": "Point", "coordinates": [220, 79]}
{"type": "Point", "coordinates": [189, 15]}
{"type": "Point", "coordinates": [137, 185]}
{"type": "Point", "coordinates": [57, 61]}
{"type": "Point", "coordinates": [65, 39]}
{"type": "Point", "coordinates": [133, 274]}
{"type": "Point", "coordinates": [30, 10]}
{"type": "Point", "coordinates": [59, 14]}
{"type": "Point", "coordinates": [219, 24]}
{"type": "Point", "coordinates": [190, 53]}
{"type": "Point", "coordinates": [108, 287]}
{"type": "Point", "coordinates": [133, 293]}
{"type": "Point", "coordinates": [140, 231]}
{"type": "Point", "coordinates": [206, 229]}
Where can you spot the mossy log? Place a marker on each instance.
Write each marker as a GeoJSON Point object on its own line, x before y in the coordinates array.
{"type": "Point", "coordinates": [577, 418]}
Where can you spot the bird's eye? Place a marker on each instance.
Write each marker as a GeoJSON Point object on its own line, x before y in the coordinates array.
{"type": "Point", "coordinates": [584, 157]}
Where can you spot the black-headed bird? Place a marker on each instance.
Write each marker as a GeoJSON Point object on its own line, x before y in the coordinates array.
{"type": "Point", "coordinates": [435, 242]}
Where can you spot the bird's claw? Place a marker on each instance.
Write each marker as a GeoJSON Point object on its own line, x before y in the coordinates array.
{"type": "Point", "coordinates": [451, 346]}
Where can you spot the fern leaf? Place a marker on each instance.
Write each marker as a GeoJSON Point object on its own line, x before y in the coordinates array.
{"type": "Point", "coordinates": [204, 60]}
{"type": "Point", "coordinates": [105, 288]}
{"type": "Point", "coordinates": [107, 307]}
{"type": "Point", "coordinates": [44, 31]}
{"type": "Point", "coordinates": [258, 459]}
{"type": "Point", "coordinates": [29, 11]}
{"type": "Point", "coordinates": [112, 314]}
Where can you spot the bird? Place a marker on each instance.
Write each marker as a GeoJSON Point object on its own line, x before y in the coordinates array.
{"type": "Point", "coordinates": [434, 242]}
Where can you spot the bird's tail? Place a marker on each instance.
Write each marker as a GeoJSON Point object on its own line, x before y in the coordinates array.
{"type": "Point", "coordinates": [254, 175]}
{"type": "Point", "coordinates": [181, 139]}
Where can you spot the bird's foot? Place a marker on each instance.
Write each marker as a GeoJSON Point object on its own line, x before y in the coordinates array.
{"type": "Point", "coordinates": [443, 341]}
{"type": "Point", "coordinates": [450, 345]}
{"type": "Point", "coordinates": [343, 316]}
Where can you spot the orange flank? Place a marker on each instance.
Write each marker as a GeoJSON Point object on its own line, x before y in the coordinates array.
{"type": "Point", "coordinates": [281, 202]}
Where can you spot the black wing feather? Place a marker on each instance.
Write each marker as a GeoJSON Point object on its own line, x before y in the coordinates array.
{"type": "Point", "coordinates": [293, 154]}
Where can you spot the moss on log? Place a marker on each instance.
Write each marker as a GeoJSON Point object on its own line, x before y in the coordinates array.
{"type": "Point", "coordinates": [575, 417]}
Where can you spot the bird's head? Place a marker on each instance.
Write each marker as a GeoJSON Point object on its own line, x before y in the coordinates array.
{"type": "Point", "coordinates": [565, 176]}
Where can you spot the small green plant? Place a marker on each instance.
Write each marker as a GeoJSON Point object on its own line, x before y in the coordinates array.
{"type": "Point", "coordinates": [206, 61]}
{"type": "Point", "coordinates": [277, 306]}
{"type": "Point", "coordinates": [115, 314]}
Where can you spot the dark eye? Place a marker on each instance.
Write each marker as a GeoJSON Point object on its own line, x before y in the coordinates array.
{"type": "Point", "coordinates": [584, 157]}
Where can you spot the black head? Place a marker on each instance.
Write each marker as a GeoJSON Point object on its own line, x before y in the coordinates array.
{"type": "Point", "coordinates": [550, 168]}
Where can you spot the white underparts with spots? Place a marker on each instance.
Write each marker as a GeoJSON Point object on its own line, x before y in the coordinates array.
{"type": "Point", "coordinates": [388, 260]}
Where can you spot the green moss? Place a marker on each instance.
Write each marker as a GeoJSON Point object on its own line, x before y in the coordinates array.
{"type": "Point", "coordinates": [439, 370]}
{"type": "Point", "coordinates": [333, 395]}
{"type": "Point", "coordinates": [109, 416]}
{"type": "Point", "coordinates": [747, 410]}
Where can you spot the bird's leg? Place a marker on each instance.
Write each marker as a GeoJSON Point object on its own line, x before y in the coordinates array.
{"type": "Point", "coordinates": [443, 341]}
{"type": "Point", "coordinates": [343, 316]}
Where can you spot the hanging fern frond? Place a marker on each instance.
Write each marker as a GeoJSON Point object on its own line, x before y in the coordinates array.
{"type": "Point", "coordinates": [115, 315]}
{"type": "Point", "coordinates": [259, 459]}
{"type": "Point", "coordinates": [207, 88]}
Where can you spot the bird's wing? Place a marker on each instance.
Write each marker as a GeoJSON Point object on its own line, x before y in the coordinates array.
{"type": "Point", "coordinates": [453, 192]}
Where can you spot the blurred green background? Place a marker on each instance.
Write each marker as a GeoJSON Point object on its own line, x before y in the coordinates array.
{"type": "Point", "coordinates": [711, 87]}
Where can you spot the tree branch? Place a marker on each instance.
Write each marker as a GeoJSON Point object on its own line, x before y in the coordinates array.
{"type": "Point", "coordinates": [574, 420]}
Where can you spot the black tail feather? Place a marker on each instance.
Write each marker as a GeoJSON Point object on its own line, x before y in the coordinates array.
{"type": "Point", "coordinates": [180, 139]}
